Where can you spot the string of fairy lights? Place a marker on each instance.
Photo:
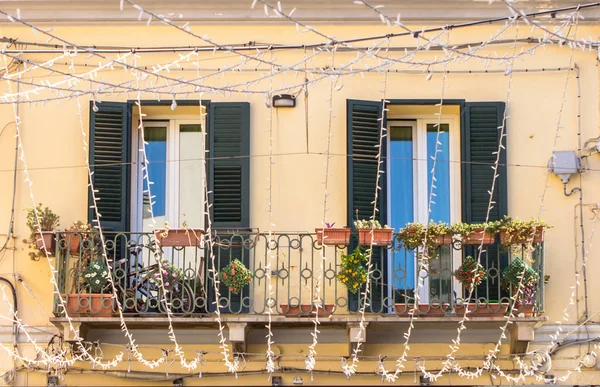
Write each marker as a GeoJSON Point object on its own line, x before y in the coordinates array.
{"type": "Point", "coordinates": [158, 84]}
{"type": "Point", "coordinates": [310, 362]}
{"type": "Point", "coordinates": [422, 257]}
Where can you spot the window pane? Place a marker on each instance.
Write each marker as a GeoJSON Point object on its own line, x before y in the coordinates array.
{"type": "Point", "coordinates": [440, 273]}
{"type": "Point", "coordinates": [191, 193]}
{"type": "Point", "coordinates": [401, 205]}
{"type": "Point", "coordinates": [156, 153]}
{"type": "Point", "coordinates": [440, 208]}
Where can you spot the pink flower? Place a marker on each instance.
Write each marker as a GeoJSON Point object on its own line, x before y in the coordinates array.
{"type": "Point", "coordinates": [224, 275]}
{"type": "Point", "coordinates": [166, 265]}
{"type": "Point", "coordinates": [156, 275]}
{"type": "Point", "coordinates": [234, 265]}
{"type": "Point", "coordinates": [232, 272]}
{"type": "Point", "coordinates": [174, 275]}
{"type": "Point", "coordinates": [166, 284]}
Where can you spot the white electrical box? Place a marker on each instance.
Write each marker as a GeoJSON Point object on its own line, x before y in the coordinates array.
{"type": "Point", "coordinates": [564, 164]}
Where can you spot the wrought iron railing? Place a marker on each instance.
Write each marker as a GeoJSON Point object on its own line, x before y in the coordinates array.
{"type": "Point", "coordinates": [295, 261]}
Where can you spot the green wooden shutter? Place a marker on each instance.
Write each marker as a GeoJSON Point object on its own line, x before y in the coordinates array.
{"type": "Point", "coordinates": [229, 166]}
{"type": "Point", "coordinates": [364, 127]}
{"type": "Point", "coordinates": [110, 158]}
{"type": "Point", "coordinates": [480, 137]}
{"type": "Point", "coordinates": [229, 182]}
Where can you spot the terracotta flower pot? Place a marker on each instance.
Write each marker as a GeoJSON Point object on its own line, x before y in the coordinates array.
{"type": "Point", "coordinates": [179, 237]}
{"type": "Point", "coordinates": [478, 236]}
{"type": "Point", "coordinates": [74, 243]}
{"type": "Point", "coordinates": [444, 239]}
{"type": "Point", "coordinates": [538, 236]}
{"type": "Point", "coordinates": [306, 310]}
{"type": "Point", "coordinates": [424, 310]}
{"type": "Point", "coordinates": [333, 236]}
{"type": "Point", "coordinates": [492, 309]}
{"type": "Point", "coordinates": [92, 305]}
{"type": "Point", "coordinates": [381, 236]}
{"type": "Point", "coordinates": [47, 239]}
{"type": "Point", "coordinates": [527, 310]}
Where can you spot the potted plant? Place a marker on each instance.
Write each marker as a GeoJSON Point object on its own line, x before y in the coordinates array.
{"type": "Point", "coordinates": [333, 236]}
{"type": "Point", "coordinates": [477, 233]}
{"type": "Point", "coordinates": [178, 237]}
{"type": "Point", "coordinates": [44, 241]}
{"type": "Point", "coordinates": [415, 235]}
{"type": "Point", "coordinates": [306, 310]}
{"type": "Point", "coordinates": [235, 276]}
{"type": "Point", "coordinates": [76, 234]}
{"type": "Point", "coordinates": [96, 298]}
{"type": "Point", "coordinates": [471, 272]}
{"type": "Point", "coordinates": [434, 309]}
{"type": "Point", "coordinates": [526, 304]}
{"type": "Point", "coordinates": [520, 272]}
{"type": "Point", "coordinates": [371, 231]}
{"type": "Point", "coordinates": [171, 275]}
{"type": "Point", "coordinates": [515, 232]}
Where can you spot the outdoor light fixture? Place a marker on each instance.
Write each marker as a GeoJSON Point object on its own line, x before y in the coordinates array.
{"type": "Point", "coordinates": [52, 381]}
{"type": "Point", "coordinates": [284, 100]}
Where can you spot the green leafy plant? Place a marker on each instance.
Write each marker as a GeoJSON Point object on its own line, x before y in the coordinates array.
{"type": "Point", "coordinates": [415, 235]}
{"type": "Point", "coordinates": [95, 276]}
{"type": "Point", "coordinates": [235, 276]}
{"type": "Point", "coordinates": [470, 271]}
{"type": "Point", "coordinates": [48, 221]}
{"type": "Point", "coordinates": [353, 272]}
{"type": "Point", "coordinates": [516, 233]}
{"type": "Point", "coordinates": [80, 227]}
{"type": "Point", "coordinates": [364, 223]}
{"type": "Point", "coordinates": [465, 230]}
{"type": "Point", "coordinates": [172, 276]}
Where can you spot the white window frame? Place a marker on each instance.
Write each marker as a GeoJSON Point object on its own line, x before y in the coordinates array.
{"type": "Point", "coordinates": [419, 124]}
{"type": "Point", "coordinates": [172, 179]}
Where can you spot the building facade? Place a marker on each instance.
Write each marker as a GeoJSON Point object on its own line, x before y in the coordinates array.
{"type": "Point", "coordinates": [179, 120]}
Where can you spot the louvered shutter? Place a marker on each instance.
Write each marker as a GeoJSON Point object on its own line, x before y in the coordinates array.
{"type": "Point", "coordinates": [364, 127]}
{"type": "Point", "coordinates": [229, 166]}
{"type": "Point", "coordinates": [480, 137]}
{"type": "Point", "coordinates": [110, 157]}
{"type": "Point", "coordinates": [229, 181]}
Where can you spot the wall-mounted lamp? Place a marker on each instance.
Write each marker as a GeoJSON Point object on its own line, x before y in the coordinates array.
{"type": "Point", "coordinates": [284, 100]}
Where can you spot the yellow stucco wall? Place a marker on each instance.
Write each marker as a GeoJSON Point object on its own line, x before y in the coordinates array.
{"type": "Point", "coordinates": [53, 145]}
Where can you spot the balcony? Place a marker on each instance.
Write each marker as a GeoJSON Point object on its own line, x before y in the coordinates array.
{"type": "Point", "coordinates": [297, 262]}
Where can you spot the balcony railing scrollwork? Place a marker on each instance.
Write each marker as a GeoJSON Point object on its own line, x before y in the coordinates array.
{"type": "Point", "coordinates": [295, 261]}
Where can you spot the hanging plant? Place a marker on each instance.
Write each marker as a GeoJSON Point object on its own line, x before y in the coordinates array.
{"type": "Point", "coordinates": [476, 233]}
{"type": "Point", "coordinates": [353, 272]}
{"type": "Point", "coordinates": [517, 268]}
{"type": "Point", "coordinates": [95, 276]}
{"type": "Point", "coordinates": [235, 276]}
{"type": "Point", "coordinates": [515, 233]}
{"type": "Point", "coordinates": [415, 235]}
{"type": "Point", "coordinates": [470, 271]}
